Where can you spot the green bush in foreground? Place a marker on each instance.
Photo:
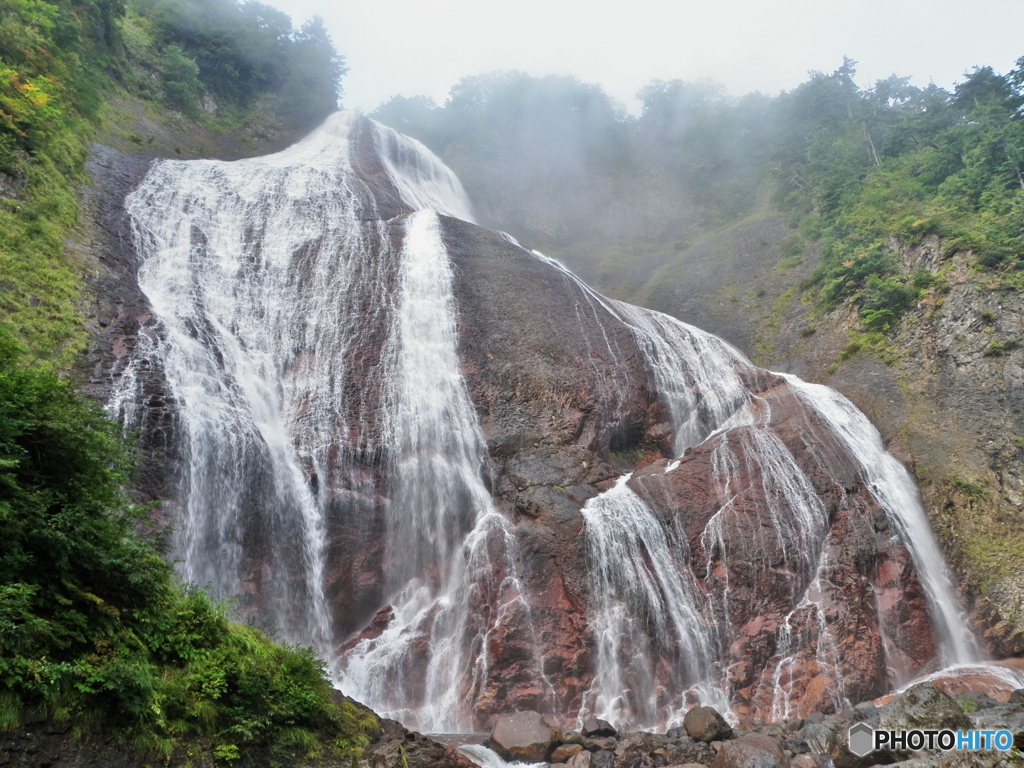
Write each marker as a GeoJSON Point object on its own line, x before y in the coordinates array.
{"type": "Point", "coordinates": [93, 627]}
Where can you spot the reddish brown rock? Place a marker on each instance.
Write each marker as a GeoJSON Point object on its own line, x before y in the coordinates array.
{"type": "Point", "coordinates": [751, 751]}
{"type": "Point", "coordinates": [564, 752]}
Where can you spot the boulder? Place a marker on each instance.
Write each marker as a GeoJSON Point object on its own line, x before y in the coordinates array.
{"type": "Point", "coordinates": [751, 751]}
{"type": "Point", "coordinates": [686, 750]}
{"type": "Point", "coordinates": [523, 736]}
{"type": "Point", "coordinates": [706, 724]}
{"type": "Point", "coordinates": [821, 739]}
{"type": "Point", "coordinates": [597, 728]}
{"type": "Point", "coordinates": [580, 760]}
{"type": "Point", "coordinates": [564, 751]}
{"type": "Point", "coordinates": [633, 750]}
{"type": "Point", "coordinates": [923, 706]}
{"type": "Point", "coordinates": [810, 761]}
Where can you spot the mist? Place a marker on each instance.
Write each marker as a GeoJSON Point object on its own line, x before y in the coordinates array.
{"type": "Point", "coordinates": [425, 48]}
{"type": "Point", "coordinates": [568, 170]}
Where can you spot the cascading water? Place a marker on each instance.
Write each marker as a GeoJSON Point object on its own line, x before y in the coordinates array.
{"type": "Point", "coordinates": [650, 621]}
{"type": "Point", "coordinates": [268, 277]}
{"type": "Point", "coordinates": [308, 330]}
{"type": "Point", "coordinates": [438, 497]}
{"type": "Point", "coordinates": [699, 378]}
{"type": "Point", "coordinates": [891, 484]}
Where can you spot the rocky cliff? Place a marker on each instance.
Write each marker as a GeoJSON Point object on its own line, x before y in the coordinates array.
{"type": "Point", "coordinates": [749, 560]}
{"type": "Point", "coordinates": [944, 387]}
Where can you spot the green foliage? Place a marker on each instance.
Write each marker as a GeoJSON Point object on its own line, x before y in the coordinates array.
{"type": "Point", "coordinates": [180, 76]}
{"type": "Point", "coordinates": [973, 491]}
{"type": "Point", "coordinates": [897, 163]}
{"type": "Point", "coordinates": [92, 624]}
{"type": "Point", "coordinates": [240, 52]}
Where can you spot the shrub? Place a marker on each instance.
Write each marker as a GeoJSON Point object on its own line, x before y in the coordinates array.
{"type": "Point", "coordinates": [92, 623]}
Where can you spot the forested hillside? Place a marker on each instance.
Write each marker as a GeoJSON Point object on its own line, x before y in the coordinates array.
{"type": "Point", "coordinates": [555, 162]}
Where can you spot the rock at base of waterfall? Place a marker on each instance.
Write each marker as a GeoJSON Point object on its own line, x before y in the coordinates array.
{"type": "Point", "coordinates": [597, 728]}
{"type": "Point", "coordinates": [564, 752]}
{"type": "Point", "coordinates": [706, 724]}
{"type": "Point", "coordinates": [685, 751]}
{"type": "Point", "coordinates": [523, 736]}
{"type": "Point", "coordinates": [580, 760]}
{"type": "Point", "coordinates": [923, 706]}
{"type": "Point", "coordinates": [810, 761]}
{"type": "Point", "coordinates": [633, 750]}
{"type": "Point", "coordinates": [821, 739]}
{"type": "Point", "coordinates": [751, 751]}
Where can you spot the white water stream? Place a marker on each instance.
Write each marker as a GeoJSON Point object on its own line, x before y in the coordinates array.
{"type": "Point", "coordinates": [440, 515]}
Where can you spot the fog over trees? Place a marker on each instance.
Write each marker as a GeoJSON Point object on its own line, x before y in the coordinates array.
{"type": "Point", "coordinates": [561, 166]}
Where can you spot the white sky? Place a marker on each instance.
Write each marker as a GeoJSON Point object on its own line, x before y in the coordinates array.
{"type": "Point", "coordinates": [411, 47]}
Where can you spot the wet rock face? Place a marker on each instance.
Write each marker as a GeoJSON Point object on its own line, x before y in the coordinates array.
{"type": "Point", "coordinates": [867, 571]}
{"type": "Point", "coordinates": [562, 388]}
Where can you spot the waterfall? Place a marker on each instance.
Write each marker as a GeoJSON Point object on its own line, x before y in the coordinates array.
{"type": "Point", "coordinates": [253, 269]}
{"type": "Point", "coordinates": [268, 278]}
{"type": "Point", "coordinates": [441, 514]}
{"type": "Point", "coordinates": [700, 379]}
{"type": "Point", "coordinates": [333, 464]}
{"type": "Point", "coordinates": [892, 485]}
{"type": "Point", "coordinates": [649, 619]}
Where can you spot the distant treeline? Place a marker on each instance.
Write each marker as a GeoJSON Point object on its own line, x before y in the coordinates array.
{"type": "Point", "coordinates": [558, 163]}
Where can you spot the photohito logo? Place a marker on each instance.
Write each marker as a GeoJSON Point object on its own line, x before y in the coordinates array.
{"type": "Point", "coordinates": [863, 739]}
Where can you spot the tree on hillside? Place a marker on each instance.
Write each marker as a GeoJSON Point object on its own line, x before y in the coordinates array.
{"type": "Point", "coordinates": [243, 51]}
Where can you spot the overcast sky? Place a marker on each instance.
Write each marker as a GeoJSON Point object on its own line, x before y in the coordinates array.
{"type": "Point", "coordinates": [410, 47]}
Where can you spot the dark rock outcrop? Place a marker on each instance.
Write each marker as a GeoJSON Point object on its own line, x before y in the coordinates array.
{"type": "Point", "coordinates": [706, 724]}
{"type": "Point", "coordinates": [923, 706]}
{"type": "Point", "coordinates": [523, 737]}
{"type": "Point", "coordinates": [597, 728]}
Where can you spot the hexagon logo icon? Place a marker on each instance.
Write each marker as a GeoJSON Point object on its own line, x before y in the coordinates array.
{"type": "Point", "coordinates": [861, 739]}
